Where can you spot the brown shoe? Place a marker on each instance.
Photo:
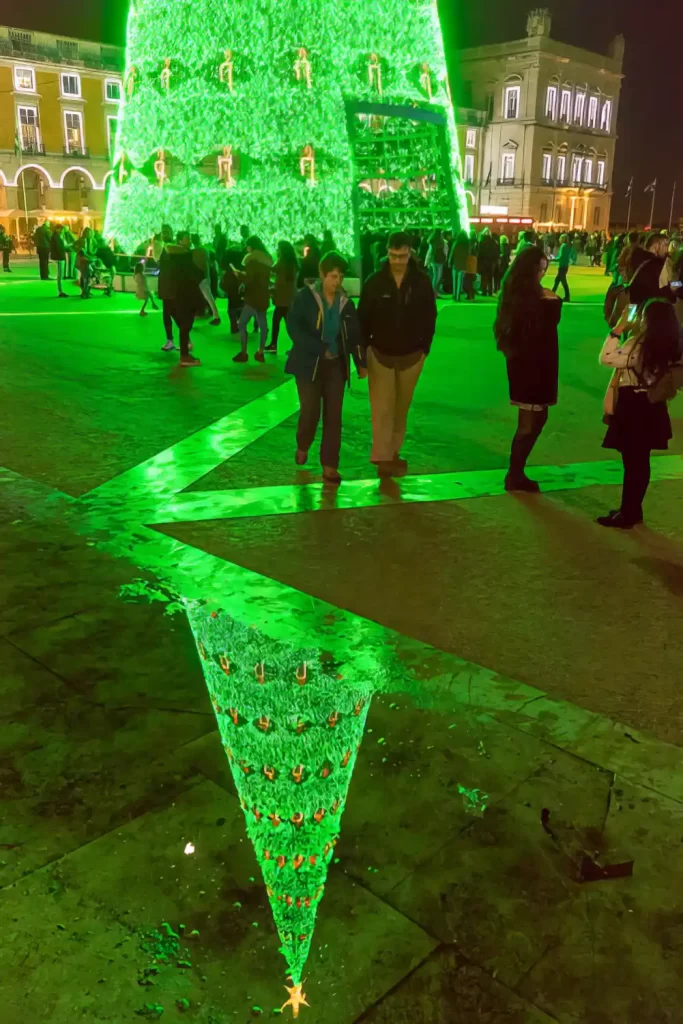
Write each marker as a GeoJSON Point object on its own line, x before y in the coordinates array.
{"type": "Point", "coordinates": [190, 361]}
{"type": "Point", "coordinates": [331, 476]}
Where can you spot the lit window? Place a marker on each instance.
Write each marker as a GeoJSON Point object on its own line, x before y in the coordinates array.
{"type": "Point", "coordinates": [112, 89]}
{"type": "Point", "coordinates": [577, 167]}
{"type": "Point", "coordinates": [71, 85]}
{"type": "Point", "coordinates": [588, 171]}
{"type": "Point", "coordinates": [471, 138]}
{"type": "Point", "coordinates": [73, 131]}
{"type": "Point", "coordinates": [561, 169]}
{"type": "Point", "coordinates": [606, 116]}
{"type": "Point", "coordinates": [469, 168]}
{"type": "Point", "coordinates": [24, 80]}
{"type": "Point", "coordinates": [512, 94]}
{"type": "Point", "coordinates": [507, 170]}
{"type": "Point", "coordinates": [551, 102]}
{"type": "Point", "coordinates": [579, 106]}
{"type": "Point", "coordinates": [593, 112]}
{"type": "Point", "coordinates": [601, 172]}
{"type": "Point", "coordinates": [29, 130]}
{"type": "Point", "coordinates": [566, 106]}
{"type": "Point", "coordinates": [547, 166]}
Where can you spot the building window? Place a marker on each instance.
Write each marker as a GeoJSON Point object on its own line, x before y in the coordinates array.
{"type": "Point", "coordinates": [543, 219]}
{"type": "Point", "coordinates": [593, 112]}
{"type": "Point", "coordinates": [29, 130]}
{"type": "Point", "coordinates": [597, 212]}
{"type": "Point", "coordinates": [507, 168]}
{"type": "Point", "coordinates": [577, 167]}
{"type": "Point", "coordinates": [588, 171]}
{"type": "Point", "coordinates": [606, 116]}
{"type": "Point", "coordinates": [559, 213]}
{"type": "Point", "coordinates": [112, 90]}
{"type": "Point", "coordinates": [547, 166]}
{"type": "Point", "coordinates": [73, 131]}
{"type": "Point", "coordinates": [471, 138]}
{"type": "Point", "coordinates": [601, 172]}
{"type": "Point", "coordinates": [71, 85]}
{"type": "Point", "coordinates": [579, 106]}
{"type": "Point", "coordinates": [512, 94]}
{"type": "Point", "coordinates": [112, 124]}
{"type": "Point", "coordinates": [469, 168]}
{"type": "Point", "coordinates": [561, 170]}
{"type": "Point", "coordinates": [551, 102]}
{"type": "Point", "coordinates": [566, 106]}
{"type": "Point", "coordinates": [24, 79]}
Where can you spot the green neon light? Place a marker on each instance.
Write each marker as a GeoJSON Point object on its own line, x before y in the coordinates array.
{"type": "Point", "coordinates": [235, 113]}
{"type": "Point", "coordinates": [291, 727]}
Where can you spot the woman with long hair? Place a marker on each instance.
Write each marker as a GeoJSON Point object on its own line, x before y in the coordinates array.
{"type": "Point", "coordinates": [284, 288]}
{"type": "Point", "coordinates": [637, 424]}
{"type": "Point", "coordinates": [526, 332]}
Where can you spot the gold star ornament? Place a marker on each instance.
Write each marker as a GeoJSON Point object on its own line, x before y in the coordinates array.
{"type": "Point", "coordinates": [297, 999]}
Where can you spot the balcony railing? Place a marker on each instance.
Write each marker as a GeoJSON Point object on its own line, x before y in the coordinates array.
{"type": "Point", "coordinates": [506, 181]}
{"type": "Point", "coordinates": [32, 149]}
{"type": "Point", "coordinates": [566, 183]}
{"type": "Point", "coordinates": [75, 152]}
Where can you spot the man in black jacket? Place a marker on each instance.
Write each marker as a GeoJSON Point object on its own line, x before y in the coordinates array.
{"type": "Point", "coordinates": [397, 313]}
{"type": "Point", "coordinates": [647, 268]}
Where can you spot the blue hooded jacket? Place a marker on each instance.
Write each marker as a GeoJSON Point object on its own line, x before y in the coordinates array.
{"type": "Point", "coordinates": [305, 323]}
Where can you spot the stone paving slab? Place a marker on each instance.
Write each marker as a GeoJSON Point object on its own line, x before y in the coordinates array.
{"type": "Point", "coordinates": [73, 929]}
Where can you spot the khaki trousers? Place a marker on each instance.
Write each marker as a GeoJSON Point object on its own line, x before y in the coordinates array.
{"type": "Point", "coordinates": [391, 393]}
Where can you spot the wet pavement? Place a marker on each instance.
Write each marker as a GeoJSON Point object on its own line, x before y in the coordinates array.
{"type": "Point", "coordinates": [471, 701]}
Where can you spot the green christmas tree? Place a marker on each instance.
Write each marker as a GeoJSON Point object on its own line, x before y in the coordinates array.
{"type": "Point", "coordinates": [290, 116]}
{"type": "Point", "coordinates": [291, 726]}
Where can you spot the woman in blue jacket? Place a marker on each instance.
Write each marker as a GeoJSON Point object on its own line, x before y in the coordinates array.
{"type": "Point", "coordinates": [325, 333]}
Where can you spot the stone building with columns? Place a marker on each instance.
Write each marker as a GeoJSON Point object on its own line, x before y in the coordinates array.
{"type": "Point", "coordinates": [547, 147]}
{"type": "Point", "coordinates": [59, 100]}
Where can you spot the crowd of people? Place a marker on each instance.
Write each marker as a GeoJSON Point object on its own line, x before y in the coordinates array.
{"type": "Point", "coordinates": [388, 337]}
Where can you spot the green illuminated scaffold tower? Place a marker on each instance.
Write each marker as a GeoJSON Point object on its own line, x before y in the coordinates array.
{"type": "Point", "coordinates": [289, 116]}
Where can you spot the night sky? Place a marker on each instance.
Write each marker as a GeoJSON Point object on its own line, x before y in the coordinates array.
{"type": "Point", "coordinates": [650, 137]}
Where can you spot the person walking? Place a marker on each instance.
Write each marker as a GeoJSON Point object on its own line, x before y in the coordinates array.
{"type": "Point", "coordinates": [526, 334]}
{"type": "Point", "coordinates": [201, 259]}
{"type": "Point", "coordinates": [142, 289]}
{"type": "Point", "coordinates": [487, 259]}
{"type": "Point", "coordinates": [437, 256]}
{"type": "Point", "coordinates": [182, 292]}
{"type": "Point", "coordinates": [256, 277]}
{"type": "Point", "coordinates": [504, 260]}
{"type": "Point", "coordinates": [41, 239]}
{"type": "Point", "coordinates": [397, 313]}
{"type": "Point", "coordinates": [323, 326]}
{"type": "Point", "coordinates": [6, 247]}
{"type": "Point", "coordinates": [58, 256]}
{"type": "Point", "coordinates": [160, 245]}
{"type": "Point", "coordinates": [459, 254]}
{"type": "Point", "coordinates": [69, 239]}
{"type": "Point", "coordinates": [637, 425]}
{"type": "Point", "coordinates": [231, 285]}
{"type": "Point", "coordinates": [284, 288]}
{"type": "Point", "coordinates": [565, 258]}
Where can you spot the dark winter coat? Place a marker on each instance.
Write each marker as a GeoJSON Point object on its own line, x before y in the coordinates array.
{"type": "Point", "coordinates": [284, 288]}
{"type": "Point", "coordinates": [646, 269]}
{"type": "Point", "coordinates": [57, 248]}
{"type": "Point", "coordinates": [533, 369]}
{"type": "Point", "coordinates": [398, 322]}
{"type": "Point", "coordinates": [305, 328]}
{"type": "Point", "coordinates": [179, 277]}
{"type": "Point", "coordinates": [257, 280]}
{"type": "Point", "coordinates": [459, 254]}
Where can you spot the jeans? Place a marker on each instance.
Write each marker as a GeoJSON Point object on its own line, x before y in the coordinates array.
{"type": "Point", "coordinates": [44, 264]}
{"type": "Point", "coordinates": [61, 274]}
{"type": "Point", "coordinates": [561, 279]}
{"type": "Point", "coordinates": [184, 317]}
{"type": "Point", "coordinates": [235, 307]}
{"type": "Point", "coordinates": [85, 283]}
{"type": "Point", "coordinates": [391, 394]}
{"type": "Point", "coordinates": [458, 278]}
{"type": "Point", "coordinates": [260, 315]}
{"type": "Point", "coordinates": [486, 279]}
{"type": "Point", "coordinates": [205, 289]}
{"type": "Point", "coordinates": [636, 482]}
{"type": "Point", "coordinates": [167, 316]}
{"type": "Point", "coordinates": [326, 391]}
{"type": "Point", "coordinates": [279, 315]}
{"type": "Point", "coordinates": [437, 275]}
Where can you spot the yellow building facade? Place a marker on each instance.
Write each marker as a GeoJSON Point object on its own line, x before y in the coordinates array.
{"type": "Point", "coordinates": [59, 102]}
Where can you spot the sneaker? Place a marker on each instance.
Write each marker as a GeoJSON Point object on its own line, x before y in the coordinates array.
{"type": "Point", "coordinates": [618, 521]}
{"type": "Point", "coordinates": [331, 476]}
{"type": "Point", "coordinates": [215, 322]}
{"type": "Point", "coordinates": [168, 347]}
{"type": "Point", "coordinates": [241, 357]}
{"type": "Point", "coordinates": [270, 348]}
{"type": "Point", "coordinates": [521, 482]}
{"type": "Point", "coordinates": [259, 356]}
{"type": "Point", "coordinates": [190, 361]}
{"type": "Point", "coordinates": [301, 458]}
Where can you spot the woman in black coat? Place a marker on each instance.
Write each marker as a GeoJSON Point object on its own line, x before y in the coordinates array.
{"type": "Point", "coordinates": [526, 332]}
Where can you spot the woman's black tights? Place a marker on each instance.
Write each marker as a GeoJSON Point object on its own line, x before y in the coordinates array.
{"type": "Point", "coordinates": [636, 482]}
{"type": "Point", "coordinates": [529, 428]}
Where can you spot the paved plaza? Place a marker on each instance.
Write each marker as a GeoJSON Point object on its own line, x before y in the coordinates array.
{"type": "Point", "coordinates": [510, 849]}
